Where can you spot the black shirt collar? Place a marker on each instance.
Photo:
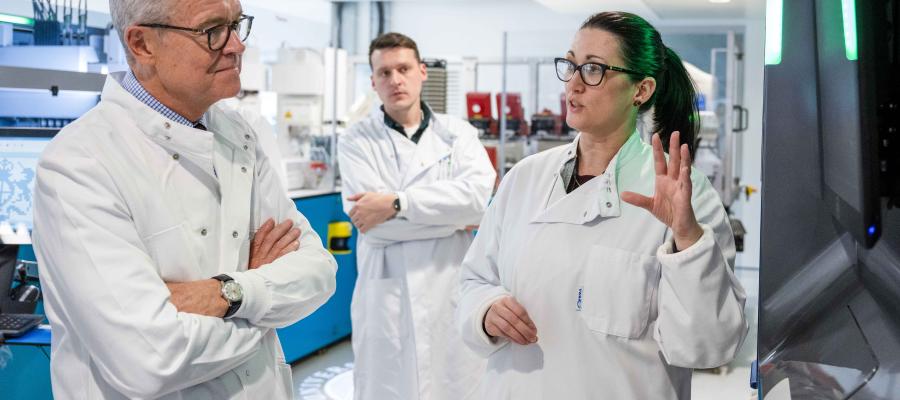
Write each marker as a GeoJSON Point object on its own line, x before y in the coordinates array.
{"type": "Point", "coordinates": [426, 119]}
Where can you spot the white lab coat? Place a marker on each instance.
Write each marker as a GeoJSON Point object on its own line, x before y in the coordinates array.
{"type": "Point", "coordinates": [118, 214]}
{"type": "Point", "coordinates": [618, 315]}
{"type": "Point", "coordinates": [265, 133]}
{"type": "Point", "coordinates": [405, 344]}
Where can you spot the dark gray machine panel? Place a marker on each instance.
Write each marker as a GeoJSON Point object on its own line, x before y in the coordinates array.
{"type": "Point", "coordinates": [829, 319]}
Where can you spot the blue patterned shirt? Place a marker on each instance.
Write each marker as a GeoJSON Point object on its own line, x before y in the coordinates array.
{"type": "Point", "coordinates": [131, 84]}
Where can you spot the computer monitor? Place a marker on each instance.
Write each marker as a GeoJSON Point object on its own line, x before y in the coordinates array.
{"type": "Point", "coordinates": [20, 149]}
{"type": "Point", "coordinates": [850, 55]}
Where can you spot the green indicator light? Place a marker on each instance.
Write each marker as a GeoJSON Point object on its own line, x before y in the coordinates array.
{"type": "Point", "coordinates": [848, 7]}
{"type": "Point", "coordinates": [15, 19]}
{"type": "Point", "coordinates": [774, 15]}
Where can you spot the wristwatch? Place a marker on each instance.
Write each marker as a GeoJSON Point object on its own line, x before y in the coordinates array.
{"type": "Point", "coordinates": [396, 204]}
{"type": "Point", "coordinates": [232, 292]}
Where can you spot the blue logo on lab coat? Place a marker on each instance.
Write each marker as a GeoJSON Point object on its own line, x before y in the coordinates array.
{"type": "Point", "coordinates": [578, 303]}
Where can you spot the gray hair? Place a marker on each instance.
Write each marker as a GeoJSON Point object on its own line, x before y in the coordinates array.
{"type": "Point", "coordinates": [126, 13]}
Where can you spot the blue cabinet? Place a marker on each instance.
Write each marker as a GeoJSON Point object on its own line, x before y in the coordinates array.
{"type": "Point", "coordinates": [331, 322]}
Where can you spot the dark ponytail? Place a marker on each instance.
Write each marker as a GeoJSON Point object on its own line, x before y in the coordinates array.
{"type": "Point", "coordinates": [674, 101]}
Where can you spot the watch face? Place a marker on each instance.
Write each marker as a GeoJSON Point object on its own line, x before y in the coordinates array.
{"type": "Point", "coordinates": [232, 291]}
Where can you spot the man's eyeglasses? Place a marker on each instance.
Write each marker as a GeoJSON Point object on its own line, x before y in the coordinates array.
{"type": "Point", "coordinates": [217, 36]}
{"type": "Point", "coordinates": [591, 73]}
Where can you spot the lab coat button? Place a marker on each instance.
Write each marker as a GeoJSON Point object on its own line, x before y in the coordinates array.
{"type": "Point", "coordinates": [244, 169]}
{"type": "Point", "coordinates": [608, 205]}
{"type": "Point", "coordinates": [168, 137]}
{"type": "Point", "coordinates": [246, 147]}
{"type": "Point", "coordinates": [167, 125]}
{"type": "Point", "coordinates": [203, 232]}
{"type": "Point", "coordinates": [247, 137]}
{"type": "Point", "coordinates": [175, 156]}
{"type": "Point", "coordinates": [234, 234]}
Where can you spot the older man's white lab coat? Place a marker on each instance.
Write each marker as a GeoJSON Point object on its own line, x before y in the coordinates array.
{"type": "Point", "coordinates": [405, 344]}
{"type": "Point", "coordinates": [127, 200]}
{"type": "Point", "coordinates": [618, 315]}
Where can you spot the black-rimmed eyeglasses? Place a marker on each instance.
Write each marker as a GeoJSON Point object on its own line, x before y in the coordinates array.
{"type": "Point", "coordinates": [217, 36]}
{"type": "Point", "coordinates": [591, 73]}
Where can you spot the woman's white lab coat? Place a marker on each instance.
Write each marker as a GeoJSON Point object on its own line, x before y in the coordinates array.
{"type": "Point", "coordinates": [127, 200]}
{"type": "Point", "coordinates": [618, 315]}
{"type": "Point", "coordinates": [405, 344]}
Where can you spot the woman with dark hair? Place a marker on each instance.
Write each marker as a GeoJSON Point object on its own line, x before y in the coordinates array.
{"type": "Point", "coordinates": [603, 269]}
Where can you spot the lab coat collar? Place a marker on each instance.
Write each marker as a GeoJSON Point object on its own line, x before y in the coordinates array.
{"type": "Point", "coordinates": [131, 84]}
{"type": "Point", "coordinates": [632, 147]}
{"type": "Point", "coordinates": [230, 126]}
{"type": "Point", "coordinates": [434, 146]}
{"type": "Point", "coordinates": [193, 145]}
{"type": "Point", "coordinates": [598, 197]}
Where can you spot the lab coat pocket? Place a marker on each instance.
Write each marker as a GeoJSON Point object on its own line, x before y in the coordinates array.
{"type": "Point", "coordinates": [618, 291]}
{"type": "Point", "coordinates": [171, 253]}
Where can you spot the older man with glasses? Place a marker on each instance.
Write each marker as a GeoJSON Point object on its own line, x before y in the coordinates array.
{"type": "Point", "coordinates": [155, 225]}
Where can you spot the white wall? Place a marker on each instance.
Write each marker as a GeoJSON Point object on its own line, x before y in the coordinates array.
{"type": "Point", "coordinates": [475, 29]}
{"type": "Point", "coordinates": [273, 30]}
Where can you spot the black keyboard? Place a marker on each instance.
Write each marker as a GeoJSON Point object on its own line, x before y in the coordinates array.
{"type": "Point", "coordinates": [12, 325]}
